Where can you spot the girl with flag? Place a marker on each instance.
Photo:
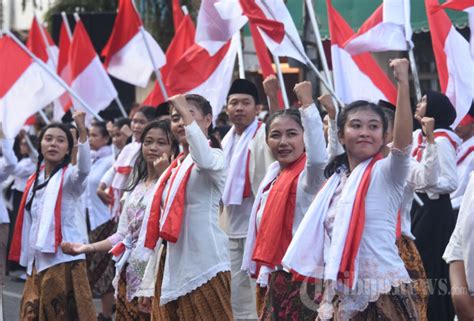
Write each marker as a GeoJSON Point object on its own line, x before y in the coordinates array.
{"type": "Point", "coordinates": [347, 236]}
{"type": "Point", "coordinates": [56, 287]}
{"type": "Point", "coordinates": [192, 279]}
{"type": "Point", "coordinates": [296, 140]}
{"type": "Point", "coordinates": [157, 143]}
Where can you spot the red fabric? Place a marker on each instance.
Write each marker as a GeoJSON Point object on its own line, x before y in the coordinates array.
{"type": "Point", "coordinates": [459, 5]}
{"type": "Point", "coordinates": [443, 134]}
{"type": "Point", "coordinates": [36, 43]}
{"type": "Point", "coordinates": [125, 170]}
{"type": "Point", "coordinates": [263, 57]}
{"type": "Point", "coordinates": [340, 32]}
{"type": "Point", "coordinates": [375, 19]}
{"type": "Point", "coordinates": [398, 231]}
{"type": "Point", "coordinates": [178, 14]}
{"type": "Point", "coordinates": [274, 29]}
{"type": "Point", "coordinates": [15, 249]}
{"type": "Point", "coordinates": [418, 151]}
{"type": "Point", "coordinates": [118, 249]}
{"type": "Point", "coordinates": [247, 186]}
{"type": "Point", "coordinates": [153, 225]}
{"type": "Point", "coordinates": [172, 225]}
{"type": "Point", "coordinates": [275, 232]}
{"type": "Point", "coordinates": [64, 44]}
{"type": "Point", "coordinates": [356, 227]}
{"type": "Point", "coordinates": [466, 121]}
{"type": "Point", "coordinates": [11, 52]}
{"type": "Point", "coordinates": [440, 25]}
{"type": "Point", "coordinates": [126, 26]}
{"type": "Point", "coordinates": [467, 153]}
{"type": "Point", "coordinates": [81, 52]}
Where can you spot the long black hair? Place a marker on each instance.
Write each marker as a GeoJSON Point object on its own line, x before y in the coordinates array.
{"type": "Point", "coordinates": [140, 169]}
{"type": "Point", "coordinates": [292, 113]}
{"type": "Point", "coordinates": [205, 107]}
{"type": "Point", "coordinates": [102, 127]}
{"type": "Point", "coordinates": [66, 160]}
{"type": "Point", "coordinates": [342, 160]}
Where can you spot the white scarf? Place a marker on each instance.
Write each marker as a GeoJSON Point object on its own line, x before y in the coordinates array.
{"type": "Point", "coordinates": [247, 263]}
{"type": "Point", "coordinates": [104, 151]}
{"type": "Point", "coordinates": [45, 240]}
{"type": "Point", "coordinates": [126, 158]}
{"type": "Point", "coordinates": [236, 163]}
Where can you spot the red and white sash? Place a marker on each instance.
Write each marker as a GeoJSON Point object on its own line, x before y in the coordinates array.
{"type": "Point", "coordinates": [237, 186]}
{"type": "Point", "coordinates": [49, 235]}
{"type": "Point", "coordinates": [417, 152]}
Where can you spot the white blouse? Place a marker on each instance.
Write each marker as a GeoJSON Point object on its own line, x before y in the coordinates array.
{"type": "Point", "coordinates": [23, 170]}
{"type": "Point", "coordinates": [74, 184]}
{"type": "Point", "coordinates": [464, 169]}
{"type": "Point", "coordinates": [7, 166]}
{"type": "Point", "coordinates": [461, 244]}
{"type": "Point", "coordinates": [202, 248]}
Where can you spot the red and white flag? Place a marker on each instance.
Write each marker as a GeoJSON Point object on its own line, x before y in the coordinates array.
{"type": "Point", "coordinates": [466, 6]}
{"type": "Point", "coordinates": [453, 60]}
{"type": "Point", "coordinates": [64, 71]}
{"type": "Point", "coordinates": [355, 76]}
{"type": "Point", "coordinates": [182, 41]}
{"type": "Point", "coordinates": [126, 54]}
{"type": "Point", "coordinates": [178, 14]}
{"type": "Point", "coordinates": [36, 43]}
{"type": "Point", "coordinates": [25, 87]}
{"type": "Point", "coordinates": [89, 78]}
{"type": "Point", "coordinates": [388, 28]}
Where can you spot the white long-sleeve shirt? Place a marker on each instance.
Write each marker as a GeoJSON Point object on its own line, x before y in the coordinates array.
{"type": "Point", "coordinates": [7, 166]}
{"type": "Point", "coordinates": [23, 170]}
{"type": "Point", "coordinates": [464, 168]}
{"type": "Point", "coordinates": [74, 184]}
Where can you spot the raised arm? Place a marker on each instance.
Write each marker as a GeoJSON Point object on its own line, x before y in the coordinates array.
{"type": "Point", "coordinates": [271, 87]}
{"type": "Point", "coordinates": [82, 169]}
{"type": "Point", "coordinates": [334, 147]}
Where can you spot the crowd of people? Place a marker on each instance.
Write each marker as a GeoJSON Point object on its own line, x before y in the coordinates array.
{"type": "Point", "coordinates": [308, 213]}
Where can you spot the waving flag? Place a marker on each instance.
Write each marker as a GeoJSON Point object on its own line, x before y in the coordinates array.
{"type": "Point", "coordinates": [453, 60]}
{"type": "Point", "coordinates": [89, 78]}
{"type": "Point", "coordinates": [384, 30]}
{"type": "Point", "coordinates": [36, 44]}
{"type": "Point", "coordinates": [126, 54]}
{"type": "Point", "coordinates": [466, 6]}
{"type": "Point", "coordinates": [25, 87]}
{"type": "Point", "coordinates": [64, 71]}
{"type": "Point", "coordinates": [355, 76]}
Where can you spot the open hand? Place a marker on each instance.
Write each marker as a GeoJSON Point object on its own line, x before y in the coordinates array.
{"type": "Point", "coordinates": [75, 248]}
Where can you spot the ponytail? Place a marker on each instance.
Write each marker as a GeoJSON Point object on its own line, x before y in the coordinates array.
{"type": "Point", "coordinates": [335, 163]}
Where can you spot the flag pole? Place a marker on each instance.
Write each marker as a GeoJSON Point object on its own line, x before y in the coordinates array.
{"type": "Point", "coordinates": [155, 68]}
{"type": "Point", "coordinates": [411, 55]}
{"type": "Point", "coordinates": [282, 81]}
{"type": "Point", "coordinates": [117, 99]}
{"type": "Point", "coordinates": [240, 55]}
{"type": "Point", "coordinates": [308, 61]}
{"type": "Point", "coordinates": [46, 68]}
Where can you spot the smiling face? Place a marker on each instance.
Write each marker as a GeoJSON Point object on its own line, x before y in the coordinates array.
{"type": "Point", "coordinates": [138, 123]}
{"type": "Point", "coordinates": [177, 124]}
{"type": "Point", "coordinates": [241, 109]}
{"type": "Point", "coordinates": [285, 139]}
{"type": "Point", "coordinates": [155, 143]}
{"type": "Point", "coordinates": [363, 135]}
{"type": "Point", "coordinates": [54, 145]}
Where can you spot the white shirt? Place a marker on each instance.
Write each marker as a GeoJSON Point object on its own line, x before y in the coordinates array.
{"type": "Point", "coordinates": [461, 244]}
{"type": "Point", "coordinates": [7, 166]}
{"type": "Point", "coordinates": [236, 217]}
{"type": "Point", "coordinates": [202, 248]}
{"type": "Point", "coordinates": [464, 169]}
{"type": "Point", "coordinates": [23, 170]}
{"type": "Point", "coordinates": [74, 184]}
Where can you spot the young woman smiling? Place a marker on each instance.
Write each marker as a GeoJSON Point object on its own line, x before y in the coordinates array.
{"type": "Point", "coordinates": [56, 287]}
{"type": "Point", "coordinates": [296, 139]}
{"type": "Point", "coordinates": [349, 229]}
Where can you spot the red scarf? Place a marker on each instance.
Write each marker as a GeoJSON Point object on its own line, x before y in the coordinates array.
{"type": "Point", "coordinates": [248, 187]}
{"type": "Point", "coordinates": [356, 227]}
{"type": "Point", "coordinates": [172, 225]}
{"type": "Point", "coordinates": [418, 151]}
{"type": "Point", "coordinates": [464, 156]}
{"type": "Point", "coordinates": [275, 232]}
{"type": "Point", "coordinates": [15, 250]}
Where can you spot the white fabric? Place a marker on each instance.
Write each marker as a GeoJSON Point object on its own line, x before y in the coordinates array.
{"type": "Point", "coordinates": [217, 22]}
{"type": "Point", "coordinates": [201, 250]}
{"type": "Point", "coordinates": [350, 83]}
{"type": "Point", "coordinates": [461, 244]}
{"type": "Point", "coordinates": [8, 162]}
{"type": "Point", "coordinates": [33, 90]}
{"type": "Point", "coordinates": [99, 213]}
{"type": "Point", "coordinates": [132, 62]}
{"type": "Point", "coordinates": [126, 158]}
{"type": "Point", "coordinates": [448, 177]}
{"type": "Point", "coordinates": [122, 259]}
{"type": "Point", "coordinates": [23, 170]}
{"type": "Point", "coordinates": [463, 169]}
{"type": "Point", "coordinates": [74, 184]}
{"type": "Point", "coordinates": [94, 86]}
{"type": "Point", "coordinates": [236, 155]}
{"type": "Point", "coordinates": [309, 182]}
{"type": "Point", "coordinates": [460, 65]}
{"type": "Point", "coordinates": [378, 265]}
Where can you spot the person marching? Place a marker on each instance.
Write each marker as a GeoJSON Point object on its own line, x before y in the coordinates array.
{"type": "Point", "coordinates": [56, 287]}
{"type": "Point", "coordinates": [247, 159]}
{"type": "Point", "coordinates": [296, 139]}
{"type": "Point", "coordinates": [157, 142]}
{"type": "Point", "coordinates": [189, 279]}
{"type": "Point", "coordinates": [349, 229]}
